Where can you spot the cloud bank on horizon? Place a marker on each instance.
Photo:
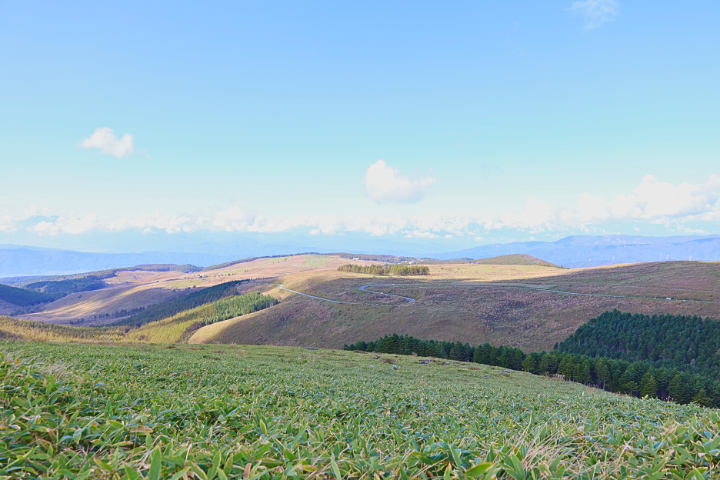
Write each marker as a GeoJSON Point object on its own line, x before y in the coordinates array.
{"type": "Point", "coordinates": [651, 201]}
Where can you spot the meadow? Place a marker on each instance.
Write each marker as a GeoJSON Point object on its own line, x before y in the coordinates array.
{"type": "Point", "coordinates": [259, 412]}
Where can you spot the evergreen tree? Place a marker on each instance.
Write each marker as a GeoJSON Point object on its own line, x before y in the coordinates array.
{"type": "Point", "coordinates": [631, 387]}
{"type": "Point", "coordinates": [530, 364]}
{"type": "Point", "coordinates": [679, 389]}
{"type": "Point", "coordinates": [602, 371]}
{"type": "Point", "coordinates": [701, 398]}
{"type": "Point", "coordinates": [456, 352]}
{"type": "Point", "coordinates": [648, 386]}
{"type": "Point", "coordinates": [516, 359]}
{"type": "Point", "coordinates": [663, 377]}
{"type": "Point", "coordinates": [639, 377]}
{"type": "Point", "coordinates": [548, 364]}
{"type": "Point", "coordinates": [583, 373]}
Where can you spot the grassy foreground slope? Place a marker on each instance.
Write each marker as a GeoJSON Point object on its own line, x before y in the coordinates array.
{"type": "Point", "coordinates": [269, 412]}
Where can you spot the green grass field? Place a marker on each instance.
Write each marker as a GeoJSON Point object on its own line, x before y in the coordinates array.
{"type": "Point", "coordinates": [218, 412]}
{"type": "Point", "coordinates": [315, 260]}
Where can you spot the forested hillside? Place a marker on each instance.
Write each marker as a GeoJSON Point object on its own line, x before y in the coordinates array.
{"type": "Point", "coordinates": [386, 270]}
{"type": "Point", "coordinates": [177, 305]}
{"type": "Point", "coordinates": [60, 288]}
{"type": "Point", "coordinates": [684, 342]}
{"type": "Point", "coordinates": [22, 297]}
{"type": "Point", "coordinates": [172, 329]}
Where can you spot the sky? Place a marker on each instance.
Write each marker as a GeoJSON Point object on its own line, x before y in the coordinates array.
{"type": "Point", "coordinates": [135, 125]}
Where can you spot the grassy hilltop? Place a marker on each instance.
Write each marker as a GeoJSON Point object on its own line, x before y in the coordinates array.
{"type": "Point", "coordinates": [515, 301]}
{"type": "Point", "coordinates": [527, 306]}
{"type": "Point", "coordinates": [78, 411]}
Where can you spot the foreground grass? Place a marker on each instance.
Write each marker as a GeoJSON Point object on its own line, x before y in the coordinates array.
{"type": "Point", "coordinates": [151, 412]}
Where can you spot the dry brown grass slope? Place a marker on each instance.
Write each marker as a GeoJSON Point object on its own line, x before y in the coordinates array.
{"type": "Point", "coordinates": [130, 290]}
{"type": "Point", "coordinates": [499, 304]}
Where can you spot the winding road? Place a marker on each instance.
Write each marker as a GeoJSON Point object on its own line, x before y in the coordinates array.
{"type": "Point", "coordinates": [282, 287]}
{"type": "Point", "coordinates": [363, 288]}
{"type": "Point", "coordinates": [412, 300]}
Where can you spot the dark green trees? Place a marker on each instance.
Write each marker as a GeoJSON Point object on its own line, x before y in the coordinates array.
{"type": "Point", "coordinates": [638, 378]}
{"type": "Point", "coordinates": [386, 270]}
{"type": "Point", "coordinates": [682, 342]}
{"type": "Point", "coordinates": [22, 297]}
{"type": "Point", "coordinates": [648, 386]}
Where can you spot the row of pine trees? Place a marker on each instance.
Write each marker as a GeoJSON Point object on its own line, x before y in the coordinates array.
{"type": "Point", "coordinates": [637, 378]}
{"type": "Point", "coordinates": [386, 270]}
{"type": "Point", "coordinates": [672, 341]}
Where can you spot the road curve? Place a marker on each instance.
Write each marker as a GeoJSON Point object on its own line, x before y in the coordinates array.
{"type": "Point", "coordinates": [363, 288]}
{"type": "Point", "coordinates": [410, 300]}
{"type": "Point", "coordinates": [421, 285]}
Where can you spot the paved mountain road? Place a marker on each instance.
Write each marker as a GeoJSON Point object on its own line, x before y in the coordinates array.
{"type": "Point", "coordinates": [489, 285]}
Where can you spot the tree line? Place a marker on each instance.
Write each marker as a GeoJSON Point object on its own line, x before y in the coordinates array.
{"type": "Point", "coordinates": [232, 307]}
{"type": "Point", "coordinates": [386, 270]}
{"type": "Point", "coordinates": [22, 297]}
{"type": "Point", "coordinates": [61, 288]}
{"type": "Point", "coordinates": [169, 308]}
{"type": "Point", "coordinates": [688, 343]}
{"type": "Point", "coordinates": [637, 378]}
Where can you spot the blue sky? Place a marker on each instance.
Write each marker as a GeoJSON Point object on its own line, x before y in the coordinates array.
{"type": "Point", "coordinates": [456, 124]}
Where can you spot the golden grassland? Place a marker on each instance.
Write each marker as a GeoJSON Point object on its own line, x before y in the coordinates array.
{"type": "Point", "coordinates": [501, 305]}
{"type": "Point", "coordinates": [477, 303]}
{"type": "Point", "coordinates": [132, 290]}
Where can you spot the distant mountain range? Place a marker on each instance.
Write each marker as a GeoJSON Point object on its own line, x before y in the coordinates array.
{"type": "Point", "coordinates": [31, 261]}
{"type": "Point", "coordinates": [572, 252]}
{"type": "Point", "coordinates": [590, 251]}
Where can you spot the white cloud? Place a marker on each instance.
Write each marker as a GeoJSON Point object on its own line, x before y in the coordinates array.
{"type": "Point", "coordinates": [536, 215]}
{"type": "Point", "coordinates": [105, 140]}
{"type": "Point", "coordinates": [420, 234]}
{"type": "Point", "coordinates": [71, 225]}
{"type": "Point", "coordinates": [596, 12]}
{"type": "Point", "coordinates": [651, 201]}
{"type": "Point", "coordinates": [156, 221]}
{"type": "Point", "coordinates": [234, 218]}
{"type": "Point", "coordinates": [385, 184]}
{"type": "Point", "coordinates": [8, 224]}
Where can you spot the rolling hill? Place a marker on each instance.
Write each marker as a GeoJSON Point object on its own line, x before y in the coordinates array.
{"type": "Point", "coordinates": [527, 306]}
{"type": "Point", "coordinates": [21, 297]}
{"type": "Point", "coordinates": [514, 300]}
{"type": "Point", "coordinates": [514, 259]}
{"type": "Point", "coordinates": [594, 250]}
